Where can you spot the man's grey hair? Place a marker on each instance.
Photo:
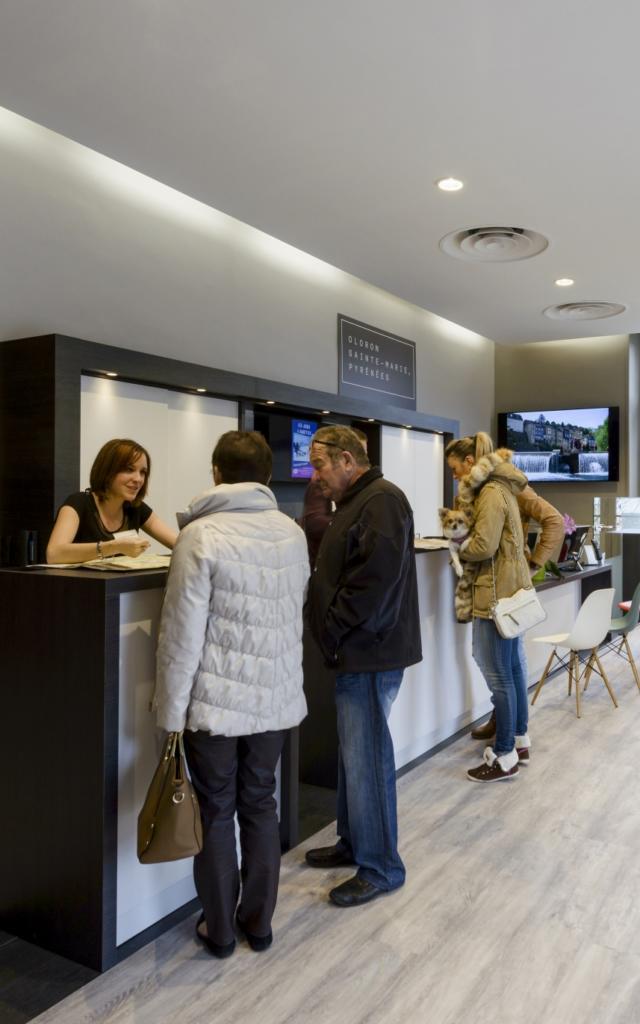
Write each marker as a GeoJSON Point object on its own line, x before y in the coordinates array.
{"type": "Point", "coordinates": [341, 439]}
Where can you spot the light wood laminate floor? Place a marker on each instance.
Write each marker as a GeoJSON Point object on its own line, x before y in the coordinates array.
{"type": "Point", "coordinates": [522, 902]}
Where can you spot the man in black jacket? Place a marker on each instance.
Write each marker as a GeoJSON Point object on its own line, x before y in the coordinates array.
{"type": "Point", "coordinates": [362, 609]}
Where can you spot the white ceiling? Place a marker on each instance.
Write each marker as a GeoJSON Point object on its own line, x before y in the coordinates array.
{"type": "Point", "coordinates": [326, 124]}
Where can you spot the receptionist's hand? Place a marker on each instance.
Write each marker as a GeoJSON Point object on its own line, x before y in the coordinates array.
{"type": "Point", "coordinates": [133, 548]}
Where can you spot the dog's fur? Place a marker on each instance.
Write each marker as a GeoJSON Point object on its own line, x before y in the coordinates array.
{"type": "Point", "coordinates": [456, 526]}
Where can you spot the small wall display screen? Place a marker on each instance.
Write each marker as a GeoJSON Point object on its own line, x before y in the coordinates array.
{"type": "Point", "coordinates": [563, 445]}
{"type": "Point", "coordinates": [301, 433]}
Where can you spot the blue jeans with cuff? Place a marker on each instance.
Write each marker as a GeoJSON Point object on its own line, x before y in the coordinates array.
{"type": "Point", "coordinates": [367, 816]}
{"type": "Point", "coordinates": [503, 666]}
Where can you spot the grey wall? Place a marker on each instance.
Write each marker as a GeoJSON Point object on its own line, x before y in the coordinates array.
{"type": "Point", "coordinates": [564, 375]}
{"type": "Point", "coordinates": [97, 251]}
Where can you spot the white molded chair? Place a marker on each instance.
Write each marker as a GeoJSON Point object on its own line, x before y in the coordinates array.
{"type": "Point", "coordinates": [589, 630]}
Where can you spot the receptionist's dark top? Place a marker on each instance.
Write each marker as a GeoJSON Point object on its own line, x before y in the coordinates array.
{"type": "Point", "coordinates": [92, 528]}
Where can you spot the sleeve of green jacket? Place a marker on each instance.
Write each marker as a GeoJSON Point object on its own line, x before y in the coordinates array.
{"type": "Point", "coordinates": [551, 536]}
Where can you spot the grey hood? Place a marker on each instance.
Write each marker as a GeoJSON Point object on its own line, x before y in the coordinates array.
{"type": "Point", "coordinates": [248, 497]}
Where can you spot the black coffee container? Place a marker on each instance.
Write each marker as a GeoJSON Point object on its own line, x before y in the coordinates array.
{"type": "Point", "coordinates": [26, 547]}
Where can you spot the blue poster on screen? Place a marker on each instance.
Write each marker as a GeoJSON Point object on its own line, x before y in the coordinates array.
{"type": "Point", "coordinates": [301, 433]}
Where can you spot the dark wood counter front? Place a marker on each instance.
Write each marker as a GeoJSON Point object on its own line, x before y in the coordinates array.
{"type": "Point", "coordinates": [76, 677]}
{"type": "Point", "coordinates": [59, 680]}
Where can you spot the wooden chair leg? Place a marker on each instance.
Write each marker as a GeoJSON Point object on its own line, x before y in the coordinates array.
{"type": "Point", "coordinates": [632, 662]}
{"type": "Point", "coordinates": [543, 676]}
{"type": "Point", "coordinates": [576, 662]}
{"type": "Point", "coordinates": [605, 680]}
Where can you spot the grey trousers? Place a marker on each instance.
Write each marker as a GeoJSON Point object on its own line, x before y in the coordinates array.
{"type": "Point", "coordinates": [236, 775]}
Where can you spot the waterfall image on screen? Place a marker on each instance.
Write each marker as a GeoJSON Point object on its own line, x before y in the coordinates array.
{"type": "Point", "coordinates": [561, 444]}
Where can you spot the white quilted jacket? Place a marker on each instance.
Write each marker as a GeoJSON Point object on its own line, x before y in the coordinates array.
{"type": "Point", "coordinates": [230, 649]}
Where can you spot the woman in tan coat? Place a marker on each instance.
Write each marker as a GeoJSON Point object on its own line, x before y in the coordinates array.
{"type": "Point", "coordinates": [532, 508]}
{"type": "Point", "coordinates": [489, 484]}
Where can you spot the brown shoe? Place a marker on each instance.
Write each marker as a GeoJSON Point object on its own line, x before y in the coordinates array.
{"type": "Point", "coordinates": [495, 769]}
{"type": "Point", "coordinates": [487, 731]}
{"type": "Point", "coordinates": [329, 857]}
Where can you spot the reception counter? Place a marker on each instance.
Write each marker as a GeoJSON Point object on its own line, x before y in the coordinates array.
{"type": "Point", "coordinates": [76, 680]}
{"type": "Point", "coordinates": [446, 691]}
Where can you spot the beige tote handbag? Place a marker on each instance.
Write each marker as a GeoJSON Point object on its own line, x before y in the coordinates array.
{"type": "Point", "coordinates": [169, 825]}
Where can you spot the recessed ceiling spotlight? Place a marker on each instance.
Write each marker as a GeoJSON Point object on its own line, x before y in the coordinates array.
{"type": "Point", "coordinates": [407, 426]}
{"type": "Point", "coordinates": [201, 391]}
{"type": "Point", "coordinates": [270, 401]}
{"type": "Point", "coordinates": [326, 412]}
{"type": "Point", "coordinates": [371, 420]}
{"type": "Point", "coordinates": [111, 373]}
{"type": "Point", "coordinates": [565, 282]}
{"type": "Point", "coordinates": [449, 184]}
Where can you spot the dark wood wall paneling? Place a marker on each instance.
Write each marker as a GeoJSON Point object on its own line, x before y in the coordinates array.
{"type": "Point", "coordinates": [27, 432]}
{"type": "Point", "coordinates": [40, 416]}
{"type": "Point", "coordinates": [54, 822]}
{"type": "Point", "coordinates": [59, 677]}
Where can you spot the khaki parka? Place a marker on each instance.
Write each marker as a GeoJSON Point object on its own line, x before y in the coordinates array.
{"type": "Point", "coordinates": [551, 536]}
{"type": "Point", "coordinates": [491, 488]}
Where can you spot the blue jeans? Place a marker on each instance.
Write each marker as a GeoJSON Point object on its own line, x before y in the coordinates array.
{"type": "Point", "coordinates": [503, 666]}
{"type": "Point", "coordinates": [367, 817]}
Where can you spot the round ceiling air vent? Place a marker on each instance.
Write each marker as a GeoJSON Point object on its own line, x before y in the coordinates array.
{"type": "Point", "coordinates": [493, 245]}
{"type": "Point", "coordinates": [584, 310]}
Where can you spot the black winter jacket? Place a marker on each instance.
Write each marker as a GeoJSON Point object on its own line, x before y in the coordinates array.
{"type": "Point", "coordinates": [362, 606]}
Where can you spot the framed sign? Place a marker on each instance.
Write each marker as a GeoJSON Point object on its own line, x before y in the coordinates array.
{"type": "Point", "coordinates": [374, 363]}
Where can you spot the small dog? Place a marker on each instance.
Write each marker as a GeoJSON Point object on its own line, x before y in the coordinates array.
{"type": "Point", "coordinates": [456, 526]}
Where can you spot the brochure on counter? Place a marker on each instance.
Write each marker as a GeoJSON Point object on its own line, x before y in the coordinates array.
{"type": "Point", "coordinates": [119, 563]}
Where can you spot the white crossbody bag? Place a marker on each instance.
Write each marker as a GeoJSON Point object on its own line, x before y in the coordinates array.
{"type": "Point", "coordinates": [516, 614]}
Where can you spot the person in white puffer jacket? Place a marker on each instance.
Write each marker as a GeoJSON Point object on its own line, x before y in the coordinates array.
{"type": "Point", "coordinates": [229, 673]}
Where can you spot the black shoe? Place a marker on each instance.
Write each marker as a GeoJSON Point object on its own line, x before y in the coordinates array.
{"type": "Point", "coordinates": [329, 857]}
{"type": "Point", "coordinates": [486, 731]}
{"type": "Point", "coordinates": [258, 943]}
{"type": "Point", "coordinates": [222, 952]}
{"type": "Point", "coordinates": [354, 891]}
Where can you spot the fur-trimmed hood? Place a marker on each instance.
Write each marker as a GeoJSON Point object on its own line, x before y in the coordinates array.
{"type": "Point", "coordinates": [495, 466]}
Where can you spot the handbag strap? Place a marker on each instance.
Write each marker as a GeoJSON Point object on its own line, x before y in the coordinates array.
{"type": "Point", "coordinates": [180, 758]}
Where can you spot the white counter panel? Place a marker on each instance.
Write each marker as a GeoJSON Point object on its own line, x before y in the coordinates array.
{"type": "Point", "coordinates": [412, 460]}
{"type": "Point", "coordinates": [145, 892]}
{"type": "Point", "coordinates": [447, 691]}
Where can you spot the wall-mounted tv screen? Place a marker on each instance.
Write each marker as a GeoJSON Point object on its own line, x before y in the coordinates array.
{"type": "Point", "coordinates": [563, 445]}
{"type": "Point", "coordinates": [301, 433]}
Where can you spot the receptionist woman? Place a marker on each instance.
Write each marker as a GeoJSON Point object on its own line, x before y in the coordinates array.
{"type": "Point", "coordinates": [88, 523]}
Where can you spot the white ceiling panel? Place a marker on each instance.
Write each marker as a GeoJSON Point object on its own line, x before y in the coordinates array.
{"type": "Point", "coordinates": [326, 125]}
